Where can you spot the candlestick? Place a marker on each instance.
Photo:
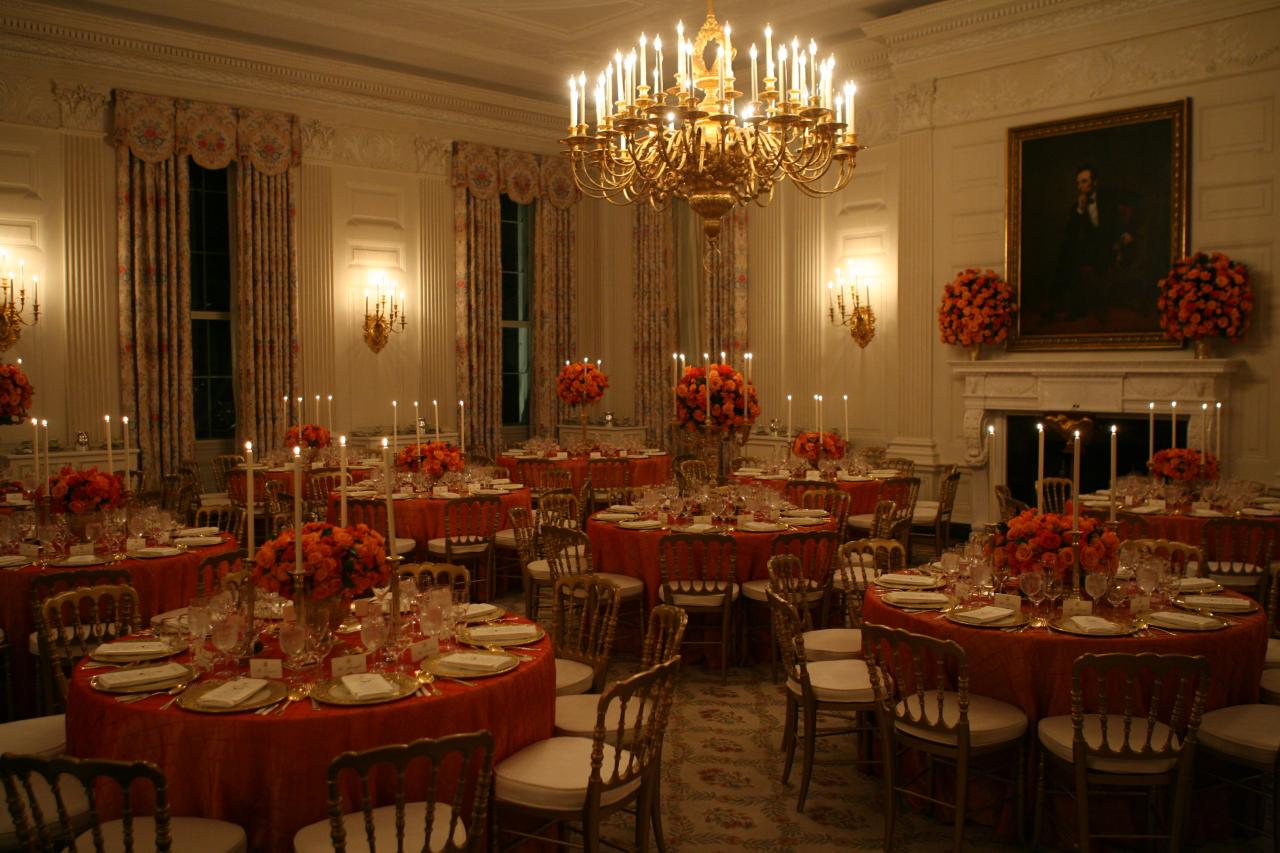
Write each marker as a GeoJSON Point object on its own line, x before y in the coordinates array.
{"type": "Point", "coordinates": [1040, 467]}
{"type": "Point", "coordinates": [1151, 430]}
{"type": "Point", "coordinates": [991, 472]}
{"type": "Point", "coordinates": [1113, 473]}
{"type": "Point", "coordinates": [297, 507]}
{"type": "Point", "coordinates": [417, 424]}
{"type": "Point", "coordinates": [248, 496]}
{"type": "Point", "coordinates": [435, 407]}
{"type": "Point", "coordinates": [1075, 484]}
{"type": "Point", "coordinates": [128, 459]}
{"type": "Point", "coordinates": [462, 424]}
{"type": "Point", "coordinates": [111, 465]}
{"type": "Point", "coordinates": [1173, 422]}
{"type": "Point", "coordinates": [395, 427]}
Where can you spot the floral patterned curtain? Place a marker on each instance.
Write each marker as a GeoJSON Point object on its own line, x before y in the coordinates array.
{"type": "Point", "coordinates": [654, 309]}
{"type": "Point", "coordinates": [555, 290]}
{"type": "Point", "coordinates": [725, 288]}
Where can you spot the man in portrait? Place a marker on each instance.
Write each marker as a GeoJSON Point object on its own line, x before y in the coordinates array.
{"type": "Point", "coordinates": [1098, 261]}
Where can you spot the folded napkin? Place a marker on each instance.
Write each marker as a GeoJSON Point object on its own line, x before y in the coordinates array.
{"type": "Point", "coordinates": [475, 662]}
{"type": "Point", "coordinates": [641, 524]}
{"type": "Point", "coordinates": [197, 531]}
{"type": "Point", "coordinates": [142, 676]}
{"type": "Point", "coordinates": [915, 599]}
{"type": "Point", "coordinates": [130, 648]}
{"type": "Point", "coordinates": [983, 615]}
{"type": "Point", "coordinates": [849, 478]}
{"type": "Point", "coordinates": [748, 472]}
{"type": "Point", "coordinates": [615, 516]}
{"type": "Point", "coordinates": [446, 494]}
{"type": "Point", "coordinates": [655, 451]}
{"type": "Point", "coordinates": [885, 472]}
{"type": "Point", "coordinates": [1106, 493]}
{"type": "Point", "coordinates": [158, 551]}
{"type": "Point", "coordinates": [233, 693]}
{"type": "Point", "coordinates": [80, 560]}
{"type": "Point", "coordinates": [1173, 619]}
{"type": "Point", "coordinates": [697, 527]}
{"type": "Point", "coordinates": [761, 527]}
{"type": "Point", "coordinates": [1093, 624]}
{"type": "Point", "coordinates": [1218, 602]}
{"type": "Point", "coordinates": [1191, 584]}
{"type": "Point", "coordinates": [173, 617]}
{"type": "Point", "coordinates": [900, 579]}
{"type": "Point", "coordinates": [474, 610]}
{"type": "Point", "coordinates": [1262, 513]}
{"type": "Point", "coordinates": [806, 513]}
{"type": "Point", "coordinates": [491, 491]}
{"type": "Point", "coordinates": [13, 561]}
{"type": "Point", "coordinates": [198, 541]}
{"type": "Point", "coordinates": [368, 685]}
{"type": "Point", "coordinates": [624, 508]}
{"type": "Point", "coordinates": [500, 481]}
{"type": "Point", "coordinates": [487, 633]}
{"type": "Point", "coordinates": [807, 521]}
{"type": "Point", "coordinates": [1145, 510]}
{"type": "Point", "coordinates": [1206, 513]}
{"type": "Point", "coordinates": [511, 487]}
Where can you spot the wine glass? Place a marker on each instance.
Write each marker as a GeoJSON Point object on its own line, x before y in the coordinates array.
{"type": "Point", "coordinates": [1032, 585]}
{"type": "Point", "coordinates": [373, 632]}
{"type": "Point", "coordinates": [93, 533]}
{"type": "Point", "coordinates": [1096, 584]}
{"type": "Point", "coordinates": [293, 640]}
{"type": "Point", "coordinates": [199, 620]}
{"type": "Point", "coordinates": [226, 637]}
{"type": "Point", "coordinates": [1054, 589]}
{"type": "Point", "coordinates": [1148, 577]}
{"type": "Point", "coordinates": [1117, 593]}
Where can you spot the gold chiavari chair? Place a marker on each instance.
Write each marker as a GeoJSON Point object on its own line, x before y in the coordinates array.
{"type": "Point", "coordinates": [211, 570]}
{"type": "Point", "coordinates": [698, 574]}
{"type": "Point", "coordinates": [1056, 491]}
{"type": "Point", "coordinates": [77, 621]}
{"type": "Point", "coordinates": [1009, 506]}
{"type": "Point", "coordinates": [834, 501]}
{"type": "Point", "coordinates": [1185, 560]}
{"type": "Point", "coordinates": [1238, 553]}
{"type": "Point", "coordinates": [222, 465]}
{"type": "Point", "coordinates": [583, 625]}
{"type": "Point", "coordinates": [803, 578]}
{"type": "Point", "coordinates": [876, 525]}
{"type": "Point", "coordinates": [933, 518]}
{"type": "Point", "coordinates": [585, 501]}
{"type": "Point", "coordinates": [470, 525]}
{"type": "Point", "coordinates": [691, 473]}
{"type": "Point", "coordinates": [428, 575]}
{"type": "Point", "coordinates": [318, 486]}
{"type": "Point", "coordinates": [560, 506]}
{"type": "Point", "coordinates": [221, 517]}
{"type": "Point", "coordinates": [872, 457]}
{"type": "Point", "coordinates": [905, 467]}
{"type": "Point", "coordinates": [612, 480]}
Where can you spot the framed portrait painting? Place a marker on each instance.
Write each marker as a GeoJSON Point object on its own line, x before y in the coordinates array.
{"type": "Point", "coordinates": [1097, 214]}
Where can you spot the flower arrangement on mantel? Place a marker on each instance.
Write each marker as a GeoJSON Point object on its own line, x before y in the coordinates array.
{"type": "Point", "coordinates": [307, 436]}
{"type": "Point", "coordinates": [814, 446]}
{"type": "Point", "coordinates": [340, 562]}
{"type": "Point", "coordinates": [977, 308]}
{"type": "Point", "coordinates": [726, 413]}
{"type": "Point", "coordinates": [79, 491]}
{"type": "Point", "coordinates": [15, 394]}
{"type": "Point", "coordinates": [432, 458]}
{"type": "Point", "coordinates": [1042, 542]}
{"type": "Point", "coordinates": [1205, 295]}
{"type": "Point", "coordinates": [581, 383]}
{"type": "Point", "coordinates": [1182, 464]}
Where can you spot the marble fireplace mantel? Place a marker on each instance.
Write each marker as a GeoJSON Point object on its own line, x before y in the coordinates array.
{"type": "Point", "coordinates": [1120, 386]}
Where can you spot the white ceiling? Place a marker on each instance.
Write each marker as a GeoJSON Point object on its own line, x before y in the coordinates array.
{"type": "Point", "coordinates": [519, 47]}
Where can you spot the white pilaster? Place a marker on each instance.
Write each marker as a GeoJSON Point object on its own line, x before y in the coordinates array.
{"type": "Point", "coordinates": [437, 300]}
{"type": "Point", "coordinates": [315, 290]}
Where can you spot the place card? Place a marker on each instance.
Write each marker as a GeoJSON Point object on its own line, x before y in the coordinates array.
{"type": "Point", "coordinates": [1076, 607]}
{"type": "Point", "coordinates": [135, 543]}
{"type": "Point", "coordinates": [1139, 603]}
{"type": "Point", "coordinates": [1157, 504]}
{"type": "Point", "coordinates": [563, 454]}
{"type": "Point", "coordinates": [266, 668]}
{"type": "Point", "coordinates": [439, 490]}
{"type": "Point", "coordinates": [406, 489]}
{"type": "Point", "coordinates": [85, 549]}
{"type": "Point", "coordinates": [14, 498]}
{"type": "Point", "coordinates": [28, 549]}
{"type": "Point", "coordinates": [702, 519]}
{"type": "Point", "coordinates": [427, 648]}
{"type": "Point", "coordinates": [1200, 505]}
{"type": "Point", "coordinates": [595, 454]}
{"type": "Point", "coordinates": [813, 474]}
{"type": "Point", "coordinates": [745, 518]}
{"type": "Point", "coordinates": [348, 665]}
{"type": "Point", "coordinates": [622, 454]}
{"type": "Point", "coordinates": [1009, 600]}
{"type": "Point", "coordinates": [317, 464]}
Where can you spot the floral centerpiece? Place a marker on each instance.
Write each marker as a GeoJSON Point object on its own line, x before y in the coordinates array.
{"type": "Point", "coordinates": [1182, 464]}
{"type": "Point", "coordinates": [308, 436]}
{"type": "Point", "coordinates": [730, 410]}
{"type": "Point", "coordinates": [432, 458]}
{"type": "Point", "coordinates": [977, 308]}
{"type": "Point", "coordinates": [15, 394]}
{"type": "Point", "coordinates": [819, 445]}
{"type": "Point", "coordinates": [1037, 542]}
{"type": "Point", "coordinates": [1205, 295]}
{"type": "Point", "coordinates": [340, 562]}
{"type": "Point", "coordinates": [79, 491]}
{"type": "Point", "coordinates": [581, 383]}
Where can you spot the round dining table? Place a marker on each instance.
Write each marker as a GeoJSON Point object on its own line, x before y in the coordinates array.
{"type": "Point", "coordinates": [268, 773]}
{"type": "Point", "coordinates": [863, 491]}
{"type": "Point", "coordinates": [1178, 527]}
{"type": "Point", "coordinates": [645, 470]}
{"type": "Point", "coordinates": [284, 476]}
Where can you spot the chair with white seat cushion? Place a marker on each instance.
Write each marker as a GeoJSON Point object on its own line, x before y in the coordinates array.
{"type": "Point", "coordinates": [933, 518]}
{"type": "Point", "coordinates": [697, 571]}
{"type": "Point", "coordinates": [71, 779]}
{"type": "Point", "coordinates": [1238, 553]}
{"type": "Point", "coordinates": [1101, 752]}
{"type": "Point", "coordinates": [373, 513]}
{"type": "Point", "coordinates": [42, 736]}
{"type": "Point", "coordinates": [1245, 738]}
{"type": "Point", "coordinates": [800, 570]}
{"type": "Point", "coordinates": [454, 771]}
{"type": "Point", "coordinates": [576, 780]}
{"type": "Point", "coordinates": [584, 621]}
{"type": "Point", "coordinates": [469, 527]}
{"type": "Point", "coordinates": [858, 564]}
{"type": "Point", "coordinates": [920, 712]}
{"type": "Point", "coordinates": [78, 620]}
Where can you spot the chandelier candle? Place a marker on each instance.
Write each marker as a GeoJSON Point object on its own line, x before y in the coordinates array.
{"type": "Point", "coordinates": [1040, 467]}
{"type": "Point", "coordinates": [342, 481]}
{"type": "Point", "coordinates": [248, 493]}
{"type": "Point", "coordinates": [111, 465]}
{"type": "Point", "coordinates": [1112, 485]}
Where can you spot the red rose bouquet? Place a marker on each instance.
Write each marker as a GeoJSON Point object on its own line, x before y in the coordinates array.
{"type": "Point", "coordinates": [819, 445]}
{"type": "Point", "coordinates": [88, 490]}
{"type": "Point", "coordinates": [977, 308]}
{"type": "Point", "coordinates": [1043, 542]}
{"type": "Point", "coordinates": [727, 401]}
{"type": "Point", "coordinates": [15, 393]}
{"type": "Point", "coordinates": [340, 561]}
{"type": "Point", "coordinates": [581, 383]}
{"type": "Point", "coordinates": [308, 435]}
{"type": "Point", "coordinates": [432, 458]}
{"type": "Point", "coordinates": [1183, 464]}
{"type": "Point", "coordinates": [1205, 295]}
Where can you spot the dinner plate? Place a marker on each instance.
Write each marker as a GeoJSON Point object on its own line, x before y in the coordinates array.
{"type": "Point", "coordinates": [1252, 606]}
{"type": "Point", "coordinates": [136, 658]}
{"type": "Point", "coordinates": [761, 527]}
{"type": "Point", "coordinates": [509, 487]}
{"type": "Point", "coordinates": [1168, 621]}
{"type": "Point", "coordinates": [1207, 513]}
{"type": "Point", "coordinates": [276, 691]}
{"type": "Point", "coordinates": [1013, 620]}
{"type": "Point", "coordinates": [491, 491]}
{"type": "Point", "coordinates": [641, 524]}
{"type": "Point", "coordinates": [1208, 587]}
{"type": "Point", "coordinates": [807, 521]}
{"type": "Point", "coordinates": [890, 584]}
{"type": "Point", "coordinates": [1144, 510]}
{"type": "Point", "coordinates": [441, 666]}
{"type": "Point", "coordinates": [465, 636]}
{"type": "Point", "coordinates": [150, 687]}
{"type": "Point", "coordinates": [614, 516]}
{"type": "Point", "coordinates": [334, 692]}
{"type": "Point", "coordinates": [156, 552]}
{"type": "Point", "coordinates": [901, 598]}
{"type": "Point", "coordinates": [1066, 626]}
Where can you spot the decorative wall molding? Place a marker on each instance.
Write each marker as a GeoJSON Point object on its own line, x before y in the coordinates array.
{"type": "Point", "coordinates": [81, 107]}
{"type": "Point", "coordinates": [317, 140]}
{"type": "Point", "coordinates": [28, 100]}
{"type": "Point", "coordinates": [434, 155]}
{"type": "Point", "coordinates": [914, 100]}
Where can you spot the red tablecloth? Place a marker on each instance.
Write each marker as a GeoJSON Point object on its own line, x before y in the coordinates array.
{"type": "Point", "coordinates": [422, 519]}
{"type": "Point", "coordinates": [284, 476]}
{"type": "Point", "coordinates": [1179, 528]}
{"type": "Point", "coordinates": [162, 584]}
{"type": "Point", "coordinates": [863, 494]}
{"type": "Point", "coordinates": [645, 471]}
{"type": "Point", "coordinates": [267, 774]}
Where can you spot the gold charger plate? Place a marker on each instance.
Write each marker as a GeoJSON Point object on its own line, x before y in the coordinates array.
{"type": "Point", "coordinates": [151, 687]}
{"type": "Point", "coordinates": [440, 666]}
{"type": "Point", "coordinates": [334, 692]}
{"type": "Point", "coordinates": [490, 615]}
{"type": "Point", "coordinates": [1200, 590]}
{"type": "Point", "coordinates": [189, 699]}
{"type": "Point", "coordinates": [937, 582]}
{"type": "Point", "coordinates": [1225, 612]}
{"type": "Point", "coordinates": [886, 597]}
{"type": "Point", "coordinates": [465, 636]}
{"type": "Point", "coordinates": [1013, 620]}
{"type": "Point", "coordinates": [1153, 620]}
{"type": "Point", "coordinates": [137, 658]}
{"type": "Point", "coordinates": [1122, 629]}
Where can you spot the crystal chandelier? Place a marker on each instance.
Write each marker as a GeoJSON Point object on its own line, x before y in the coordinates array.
{"type": "Point", "coordinates": [13, 301]}
{"type": "Point", "coordinates": [696, 140]}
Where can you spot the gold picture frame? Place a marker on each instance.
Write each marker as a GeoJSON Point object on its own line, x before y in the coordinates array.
{"type": "Point", "coordinates": [1097, 213]}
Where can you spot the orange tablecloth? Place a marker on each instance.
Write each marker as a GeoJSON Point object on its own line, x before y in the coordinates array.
{"type": "Point", "coordinates": [422, 519]}
{"type": "Point", "coordinates": [635, 553]}
{"type": "Point", "coordinates": [863, 494]}
{"type": "Point", "coordinates": [645, 471]}
{"type": "Point", "coordinates": [162, 584]}
{"type": "Point", "coordinates": [1180, 528]}
{"type": "Point", "coordinates": [267, 774]}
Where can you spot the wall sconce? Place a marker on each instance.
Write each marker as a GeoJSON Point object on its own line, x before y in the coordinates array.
{"type": "Point", "coordinates": [859, 317]}
{"type": "Point", "coordinates": [13, 300]}
{"type": "Point", "coordinates": [381, 322]}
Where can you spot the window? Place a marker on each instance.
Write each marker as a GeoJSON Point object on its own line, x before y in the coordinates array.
{"type": "Point", "coordinates": [517, 330]}
{"type": "Point", "coordinates": [213, 394]}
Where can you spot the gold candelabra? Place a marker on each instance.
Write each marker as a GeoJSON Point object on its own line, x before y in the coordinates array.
{"type": "Point", "coordinates": [858, 317]}
{"type": "Point", "coordinates": [694, 141]}
{"type": "Point", "coordinates": [380, 323]}
{"type": "Point", "coordinates": [13, 301]}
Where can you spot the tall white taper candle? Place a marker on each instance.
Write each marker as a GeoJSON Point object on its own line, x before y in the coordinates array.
{"type": "Point", "coordinates": [111, 460]}
{"type": "Point", "coordinates": [297, 507]}
{"type": "Point", "coordinates": [1040, 467]}
{"type": "Point", "coordinates": [342, 481]}
{"type": "Point", "coordinates": [1112, 485]}
{"type": "Point", "coordinates": [248, 496]}
{"type": "Point", "coordinates": [1075, 483]}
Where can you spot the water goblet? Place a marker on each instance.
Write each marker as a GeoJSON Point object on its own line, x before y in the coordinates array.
{"type": "Point", "coordinates": [293, 640]}
{"type": "Point", "coordinates": [1032, 585]}
{"type": "Point", "coordinates": [1096, 584]}
{"type": "Point", "coordinates": [1054, 589]}
{"type": "Point", "coordinates": [373, 632]}
{"type": "Point", "coordinates": [226, 637]}
{"type": "Point", "coordinates": [1117, 593]}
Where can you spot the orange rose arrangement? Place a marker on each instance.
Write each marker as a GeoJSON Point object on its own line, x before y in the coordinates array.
{"type": "Point", "coordinates": [15, 393]}
{"type": "Point", "coordinates": [581, 383]}
{"type": "Point", "coordinates": [977, 308]}
{"type": "Point", "coordinates": [308, 435]}
{"type": "Point", "coordinates": [88, 490]}
{"type": "Point", "coordinates": [1183, 464]}
{"type": "Point", "coordinates": [1205, 295]}
{"type": "Point", "coordinates": [819, 445]}
{"type": "Point", "coordinates": [726, 411]}
{"type": "Point", "coordinates": [338, 561]}
{"type": "Point", "coordinates": [1043, 542]}
{"type": "Point", "coordinates": [432, 458]}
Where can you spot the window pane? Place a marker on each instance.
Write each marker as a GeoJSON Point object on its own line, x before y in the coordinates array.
{"type": "Point", "coordinates": [199, 348]}
{"type": "Point", "coordinates": [217, 282]}
{"type": "Point", "coordinates": [515, 375]}
{"type": "Point", "coordinates": [219, 347]}
{"type": "Point", "coordinates": [510, 238]}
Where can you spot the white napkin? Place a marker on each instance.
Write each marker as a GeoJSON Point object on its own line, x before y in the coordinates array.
{"type": "Point", "coordinates": [491, 491]}
{"type": "Point", "coordinates": [1190, 584]}
{"type": "Point", "coordinates": [806, 513]}
{"type": "Point", "coordinates": [900, 579]}
{"type": "Point", "coordinates": [198, 541]}
{"type": "Point", "coordinates": [761, 527]}
{"type": "Point", "coordinates": [849, 478]}
{"type": "Point", "coordinates": [1172, 619]}
{"type": "Point", "coordinates": [885, 472]}
{"type": "Point", "coordinates": [446, 494]}
{"type": "Point", "coordinates": [641, 524]}
{"type": "Point", "coordinates": [1145, 510]}
{"type": "Point", "coordinates": [13, 561]}
{"type": "Point", "coordinates": [129, 648]}
{"type": "Point", "coordinates": [915, 599]}
{"type": "Point", "coordinates": [511, 487]}
{"type": "Point", "coordinates": [1093, 624]}
{"type": "Point", "coordinates": [159, 551]}
{"type": "Point", "coordinates": [804, 521]}
{"type": "Point", "coordinates": [1261, 513]}
{"type": "Point", "coordinates": [615, 516]}
{"type": "Point", "coordinates": [142, 675]}
{"type": "Point", "coordinates": [1206, 513]}
{"type": "Point", "coordinates": [500, 481]}
{"type": "Point", "coordinates": [1218, 602]}
{"type": "Point", "coordinates": [983, 615]}
{"type": "Point", "coordinates": [368, 685]}
{"type": "Point", "coordinates": [80, 560]}
{"type": "Point", "coordinates": [486, 633]}
{"type": "Point", "coordinates": [749, 472]}
{"type": "Point", "coordinates": [474, 610]}
{"type": "Point", "coordinates": [697, 527]}
{"type": "Point", "coordinates": [233, 693]}
{"type": "Point", "coordinates": [197, 531]}
{"type": "Point", "coordinates": [473, 661]}
{"type": "Point", "coordinates": [628, 508]}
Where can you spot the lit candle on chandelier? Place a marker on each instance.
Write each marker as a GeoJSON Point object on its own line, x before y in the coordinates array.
{"type": "Point", "coordinates": [298, 408]}
{"type": "Point", "coordinates": [1217, 431]}
{"type": "Point", "coordinates": [788, 418]}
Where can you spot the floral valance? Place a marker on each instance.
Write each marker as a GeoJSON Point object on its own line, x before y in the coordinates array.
{"type": "Point", "coordinates": [487, 171]}
{"type": "Point", "coordinates": [154, 127]}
